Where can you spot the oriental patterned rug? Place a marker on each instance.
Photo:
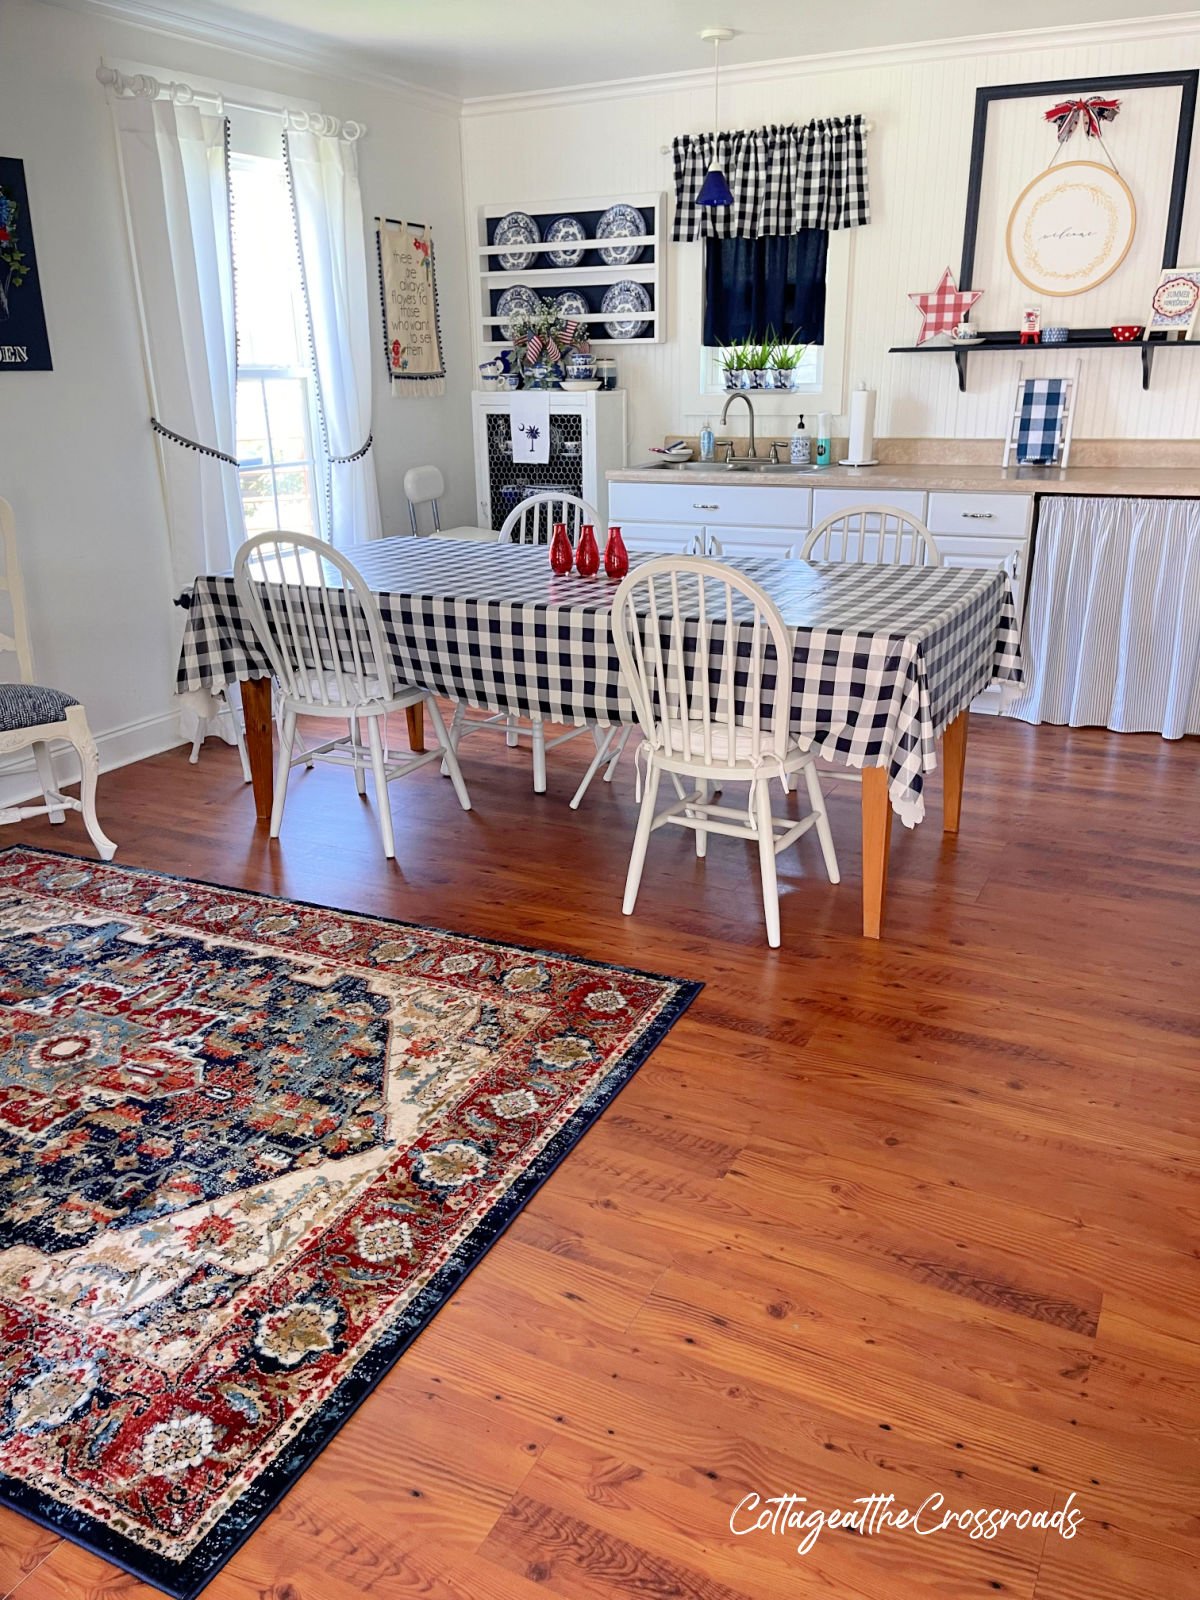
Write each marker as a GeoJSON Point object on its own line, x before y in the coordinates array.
{"type": "Point", "coordinates": [248, 1147]}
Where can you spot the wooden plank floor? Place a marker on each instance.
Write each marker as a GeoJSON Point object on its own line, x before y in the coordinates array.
{"type": "Point", "coordinates": [904, 1218]}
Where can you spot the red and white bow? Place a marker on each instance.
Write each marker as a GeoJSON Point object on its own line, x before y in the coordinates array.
{"type": "Point", "coordinates": [1069, 113]}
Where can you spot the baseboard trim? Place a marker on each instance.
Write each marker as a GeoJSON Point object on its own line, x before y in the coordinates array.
{"type": "Point", "coordinates": [131, 741]}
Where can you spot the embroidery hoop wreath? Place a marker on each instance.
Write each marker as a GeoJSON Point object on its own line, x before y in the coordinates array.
{"type": "Point", "coordinates": [1076, 194]}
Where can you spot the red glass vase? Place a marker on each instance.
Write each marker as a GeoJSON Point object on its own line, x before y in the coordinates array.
{"type": "Point", "coordinates": [587, 552]}
{"type": "Point", "coordinates": [616, 557]}
{"type": "Point", "coordinates": [562, 557]}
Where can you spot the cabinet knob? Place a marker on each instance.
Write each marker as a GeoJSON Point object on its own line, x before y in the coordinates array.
{"type": "Point", "coordinates": [979, 516]}
{"type": "Point", "coordinates": [704, 505]}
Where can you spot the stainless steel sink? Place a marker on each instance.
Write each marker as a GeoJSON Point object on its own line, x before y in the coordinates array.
{"type": "Point", "coordinates": [741, 464]}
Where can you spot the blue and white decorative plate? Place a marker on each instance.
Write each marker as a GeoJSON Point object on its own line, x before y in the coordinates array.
{"type": "Point", "coordinates": [516, 228]}
{"type": "Point", "coordinates": [516, 302]}
{"type": "Point", "coordinates": [565, 229]}
{"type": "Point", "coordinates": [570, 303]}
{"type": "Point", "coordinates": [616, 223]}
{"type": "Point", "coordinates": [625, 296]}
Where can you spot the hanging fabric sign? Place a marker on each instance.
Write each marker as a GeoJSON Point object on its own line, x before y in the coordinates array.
{"type": "Point", "coordinates": [412, 330]}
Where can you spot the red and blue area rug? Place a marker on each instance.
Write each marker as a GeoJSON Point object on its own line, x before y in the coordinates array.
{"type": "Point", "coordinates": [248, 1147]}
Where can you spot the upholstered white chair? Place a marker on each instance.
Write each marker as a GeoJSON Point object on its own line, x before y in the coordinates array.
{"type": "Point", "coordinates": [34, 717]}
{"type": "Point", "coordinates": [716, 711]}
{"type": "Point", "coordinates": [425, 486]}
{"type": "Point", "coordinates": [531, 522]}
{"type": "Point", "coordinates": [320, 628]}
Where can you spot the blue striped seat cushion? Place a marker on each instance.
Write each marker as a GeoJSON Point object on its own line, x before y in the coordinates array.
{"type": "Point", "coordinates": [28, 705]}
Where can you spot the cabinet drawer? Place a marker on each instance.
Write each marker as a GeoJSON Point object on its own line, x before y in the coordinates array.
{"type": "Point", "coordinates": [970, 551]}
{"type": "Point", "coordinates": [827, 501]}
{"type": "Point", "coordinates": [747, 505]}
{"type": "Point", "coordinates": [987, 514]}
{"type": "Point", "coordinates": [663, 538]}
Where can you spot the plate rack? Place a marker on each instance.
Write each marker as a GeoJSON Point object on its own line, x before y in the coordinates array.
{"type": "Point", "coordinates": [590, 278]}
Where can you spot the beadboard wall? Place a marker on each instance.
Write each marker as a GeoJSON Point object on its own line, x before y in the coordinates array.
{"type": "Point", "coordinates": [921, 102]}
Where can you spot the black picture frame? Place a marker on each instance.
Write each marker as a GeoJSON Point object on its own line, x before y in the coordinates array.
{"type": "Point", "coordinates": [1055, 88]}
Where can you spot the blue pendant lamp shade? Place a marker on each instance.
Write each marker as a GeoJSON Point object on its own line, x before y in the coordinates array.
{"type": "Point", "coordinates": [715, 190]}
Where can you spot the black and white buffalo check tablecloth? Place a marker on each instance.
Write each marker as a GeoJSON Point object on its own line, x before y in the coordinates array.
{"type": "Point", "coordinates": [884, 656]}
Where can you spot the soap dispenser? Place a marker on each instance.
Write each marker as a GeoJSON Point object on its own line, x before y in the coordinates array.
{"type": "Point", "coordinates": [708, 444]}
{"type": "Point", "coordinates": [801, 451]}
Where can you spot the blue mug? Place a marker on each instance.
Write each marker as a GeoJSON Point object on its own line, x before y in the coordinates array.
{"type": "Point", "coordinates": [1054, 335]}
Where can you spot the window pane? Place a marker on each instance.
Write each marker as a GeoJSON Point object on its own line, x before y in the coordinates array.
{"type": "Point", "coordinates": [252, 445]}
{"type": "Point", "coordinates": [287, 403]}
{"type": "Point", "coordinates": [258, 501]}
{"type": "Point", "coordinates": [267, 271]}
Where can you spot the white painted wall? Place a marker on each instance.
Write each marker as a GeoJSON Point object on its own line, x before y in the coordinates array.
{"type": "Point", "coordinates": [922, 104]}
{"type": "Point", "coordinates": [76, 454]}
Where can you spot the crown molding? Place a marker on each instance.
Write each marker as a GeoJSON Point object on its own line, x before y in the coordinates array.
{"type": "Point", "coordinates": [225, 30]}
{"type": "Point", "coordinates": [1134, 31]}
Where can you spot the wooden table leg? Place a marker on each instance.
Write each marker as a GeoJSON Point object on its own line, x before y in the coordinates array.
{"type": "Point", "coordinates": [876, 845]}
{"type": "Point", "coordinates": [260, 743]}
{"type": "Point", "coordinates": [415, 716]}
{"type": "Point", "coordinates": [954, 761]}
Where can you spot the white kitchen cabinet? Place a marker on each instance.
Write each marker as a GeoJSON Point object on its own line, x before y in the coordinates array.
{"type": "Point", "coordinates": [749, 540]}
{"type": "Point", "coordinates": [828, 501]}
{"type": "Point", "coordinates": [587, 441]}
{"type": "Point", "coordinates": [737, 504]}
{"type": "Point", "coordinates": [986, 515]}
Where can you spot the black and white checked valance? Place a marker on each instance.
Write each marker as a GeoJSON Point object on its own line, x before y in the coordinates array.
{"type": "Point", "coordinates": [783, 179]}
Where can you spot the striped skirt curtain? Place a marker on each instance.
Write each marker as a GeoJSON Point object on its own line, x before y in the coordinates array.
{"type": "Point", "coordinates": [1112, 633]}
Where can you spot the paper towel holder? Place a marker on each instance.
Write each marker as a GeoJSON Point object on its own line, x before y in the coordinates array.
{"type": "Point", "coordinates": [867, 461]}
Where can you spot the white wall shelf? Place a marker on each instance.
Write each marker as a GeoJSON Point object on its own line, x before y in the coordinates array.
{"type": "Point", "coordinates": [590, 278]}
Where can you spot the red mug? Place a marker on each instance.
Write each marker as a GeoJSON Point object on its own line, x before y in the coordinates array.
{"type": "Point", "coordinates": [562, 557]}
{"type": "Point", "coordinates": [616, 557]}
{"type": "Point", "coordinates": [587, 552]}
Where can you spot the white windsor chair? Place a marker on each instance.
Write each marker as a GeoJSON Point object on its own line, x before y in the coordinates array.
{"type": "Point", "coordinates": [320, 628]}
{"type": "Point", "coordinates": [706, 657]}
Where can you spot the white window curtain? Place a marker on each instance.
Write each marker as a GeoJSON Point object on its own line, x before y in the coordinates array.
{"type": "Point", "coordinates": [323, 174]}
{"type": "Point", "coordinates": [1112, 636]}
{"type": "Point", "coordinates": [174, 167]}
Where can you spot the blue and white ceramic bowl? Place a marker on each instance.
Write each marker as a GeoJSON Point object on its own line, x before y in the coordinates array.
{"type": "Point", "coordinates": [1054, 336]}
{"type": "Point", "coordinates": [617, 223]}
{"type": "Point", "coordinates": [580, 365]}
{"type": "Point", "coordinates": [516, 229]}
{"type": "Point", "coordinates": [565, 231]}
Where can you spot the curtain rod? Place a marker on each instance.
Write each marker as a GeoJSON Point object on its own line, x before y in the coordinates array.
{"type": "Point", "coordinates": [665, 149]}
{"type": "Point", "coordinates": [144, 87]}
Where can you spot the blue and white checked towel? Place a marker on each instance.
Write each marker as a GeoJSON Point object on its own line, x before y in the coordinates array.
{"type": "Point", "coordinates": [1042, 402]}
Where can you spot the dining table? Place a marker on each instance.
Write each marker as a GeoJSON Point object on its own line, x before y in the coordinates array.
{"type": "Point", "coordinates": [886, 660]}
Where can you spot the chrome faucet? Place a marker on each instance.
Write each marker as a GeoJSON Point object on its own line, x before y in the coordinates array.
{"type": "Point", "coordinates": [741, 395]}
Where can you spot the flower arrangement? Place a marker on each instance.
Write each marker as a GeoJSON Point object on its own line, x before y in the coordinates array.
{"type": "Point", "coordinates": [542, 338]}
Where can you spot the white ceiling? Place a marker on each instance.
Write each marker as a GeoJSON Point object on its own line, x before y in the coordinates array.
{"type": "Point", "coordinates": [472, 48]}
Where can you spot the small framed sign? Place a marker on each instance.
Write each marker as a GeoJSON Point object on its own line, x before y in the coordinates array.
{"type": "Point", "coordinates": [24, 345]}
{"type": "Point", "coordinates": [1175, 304]}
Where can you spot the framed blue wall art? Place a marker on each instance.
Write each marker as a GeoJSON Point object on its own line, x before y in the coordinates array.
{"type": "Point", "coordinates": [24, 345]}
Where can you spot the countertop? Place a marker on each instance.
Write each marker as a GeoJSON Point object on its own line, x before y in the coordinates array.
{"type": "Point", "coordinates": [1176, 483]}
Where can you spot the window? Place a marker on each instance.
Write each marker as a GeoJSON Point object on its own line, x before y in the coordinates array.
{"type": "Point", "coordinates": [276, 411]}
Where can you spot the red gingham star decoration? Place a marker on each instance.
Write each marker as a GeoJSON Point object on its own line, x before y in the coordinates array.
{"type": "Point", "coordinates": [943, 307]}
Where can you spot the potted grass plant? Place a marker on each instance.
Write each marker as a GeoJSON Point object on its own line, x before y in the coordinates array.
{"type": "Point", "coordinates": [758, 361]}
{"type": "Point", "coordinates": [784, 363]}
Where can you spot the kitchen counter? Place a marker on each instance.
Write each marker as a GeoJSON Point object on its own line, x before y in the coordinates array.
{"type": "Point", "coordinates": [1175, 483]}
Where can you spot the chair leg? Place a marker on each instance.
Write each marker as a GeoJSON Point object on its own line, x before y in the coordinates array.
{"type": "Point", "coordinates": [450, 759]}
{"type": "Point", "coordinates": [456, 722]}
{"type": "Point", "coordinates": [197, 741]}
{"type": "Point", "coordinates": [641, 839]}
{"type": "Point", "coordinates": [381, 787]}
{"type": "Point", "coordinates": [239, 738]}
{"type": "Point", "coordinates": [539, 755]}
{"type": "Point", "coordinates": [766, 859]}
{"type": "Point", "coordinates": [45, 772]}
{"type": "Point", "coordinates": [511, 737]}
{"type": "Point", "coordinates": [824, 832]}
{"type": "Point", "coordinates": [89, 767]}
{"type": "Point", "coordinates": [360, 756]}
{"type": "Point", "coordinates": [287, 738]}
{"type": "Point", "coordinates": [605, 738]}
{"type": "Point", "coordinates": [617, 753]}
{"type": "Point", "coordinates": [701, 833]}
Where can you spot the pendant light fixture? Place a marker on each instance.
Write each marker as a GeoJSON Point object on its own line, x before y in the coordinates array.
{"type": "Point", "coordinates": [715, 190]}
